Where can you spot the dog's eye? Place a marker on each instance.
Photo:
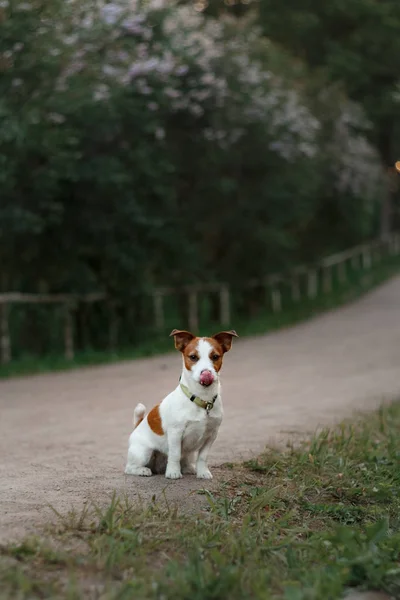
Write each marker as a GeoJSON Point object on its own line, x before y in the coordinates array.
{"type": "Point", "coordinates": [193, 357]}
{"type": "Point", "coordinates": [215, 357]}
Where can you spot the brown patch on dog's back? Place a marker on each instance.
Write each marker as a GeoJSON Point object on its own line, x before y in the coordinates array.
{"type": "Point", "coordinates": [154, 420]}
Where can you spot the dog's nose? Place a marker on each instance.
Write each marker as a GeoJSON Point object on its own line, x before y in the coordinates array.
{"type": "Point", "coordinates": [206, 377]}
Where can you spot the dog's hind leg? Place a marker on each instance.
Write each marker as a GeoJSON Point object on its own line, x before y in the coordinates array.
{"type": "Point", "coordinates": [138, 458]}
{"type": "Point", "coordinates": [158, 463]}
{"type": "Point", "coordinates": [188, 463]}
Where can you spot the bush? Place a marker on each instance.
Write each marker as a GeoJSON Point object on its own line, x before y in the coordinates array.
{"type": "Point", "coordinates": [146, 144]}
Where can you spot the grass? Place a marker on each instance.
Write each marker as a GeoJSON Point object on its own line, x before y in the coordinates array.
{"type": "Point", "coordinates": [305, 524]}
{"type": "Point", "coordinates": [359, 282]}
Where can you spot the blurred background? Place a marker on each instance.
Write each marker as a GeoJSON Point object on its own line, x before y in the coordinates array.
{"type": "Point", "coordinates": [171, 164]}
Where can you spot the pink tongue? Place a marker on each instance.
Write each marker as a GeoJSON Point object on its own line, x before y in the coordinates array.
{"type": "Point", "coordinates": [206, 378]}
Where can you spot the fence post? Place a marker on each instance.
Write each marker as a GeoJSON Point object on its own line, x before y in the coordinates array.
{"type": "Point", "coordinates": [68, 332]}
{"type": "Point", "coordinates": [366, 258]}
{"type": "Point", "coordinates": [5, 342]}
{"type": "Point", "coordinates": [83, 324]}
{"type": "Point", "coordinates": [312, 284]}
{"type": "Point", "coordinates": [397, 244]}
{"type": "Point", "coordinates": [354, 261]}
{"type": "Point", "coordinates": [276, 300]}
{"type": "Point", "coordinates": [327, 280]}
{"type": "Point", "coordinates": [158, 303]}
{"type": "Point", "coordinates": [225, 305]}
{"type": "Point", "coordinates": [113, 328]}
{"type": "Point", "coordinates": [379, 252]}
{"type": "Point", "coordinates": [392, 245]}
{"type": "Point", "coordinates": [193, 312]}
{"type": "Point", "coordinates": [295, 287]}
{"type": "Point", "coordinates": [342, 272]}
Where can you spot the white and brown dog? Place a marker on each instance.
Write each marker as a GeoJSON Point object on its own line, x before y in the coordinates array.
{"type": "Point", "coordinates": [176, 436]}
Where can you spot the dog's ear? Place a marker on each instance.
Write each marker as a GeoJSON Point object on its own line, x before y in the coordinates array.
{"type": "Point", "coordinates": [182, 338]}
{"type": "Point", "coordinates": [224, 339]}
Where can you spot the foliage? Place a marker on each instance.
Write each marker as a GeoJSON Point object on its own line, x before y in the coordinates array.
{"type": "Point", "coordinates": [355, 44]}
{"type": "Point", "coordinates": [145, 143]}
{"type": "Point", "coordinates": [135, 135]}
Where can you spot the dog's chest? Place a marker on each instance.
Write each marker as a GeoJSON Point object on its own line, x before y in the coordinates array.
{"type": "Point", "coordinates": [198, 431]}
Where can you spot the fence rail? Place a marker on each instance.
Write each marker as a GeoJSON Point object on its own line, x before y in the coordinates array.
{"type": "Point", "coordinates": [318, 278]}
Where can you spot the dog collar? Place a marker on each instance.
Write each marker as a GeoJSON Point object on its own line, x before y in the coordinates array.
{"type": "Point", "coordinates": [202, 403]}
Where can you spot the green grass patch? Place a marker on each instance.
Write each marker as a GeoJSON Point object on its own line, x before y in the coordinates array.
{"type": "Point", "coordinates": [305, 524]}
{"type": "Point", "coordinates": [358, 283]}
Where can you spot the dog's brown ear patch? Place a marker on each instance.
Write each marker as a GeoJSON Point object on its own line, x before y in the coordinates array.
{"type": "Point", "coordinates": [224, 339]}
{"type": "Point", "coordinates": [154, 420]}
{"type": "Point", "coordinates": [182, 338]}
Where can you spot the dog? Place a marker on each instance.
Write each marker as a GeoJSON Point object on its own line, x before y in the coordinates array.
{"type": "Point", "coordinates": [176, 436]}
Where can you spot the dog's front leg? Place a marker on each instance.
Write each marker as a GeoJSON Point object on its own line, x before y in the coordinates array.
{"type": "Point", "coordinates": [202, 470]}
{"type": "Point", "coordinates": [173, 470]}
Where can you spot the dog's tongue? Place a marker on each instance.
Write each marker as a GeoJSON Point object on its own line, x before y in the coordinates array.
{"type": "Point", "coordinates": [206, 378]}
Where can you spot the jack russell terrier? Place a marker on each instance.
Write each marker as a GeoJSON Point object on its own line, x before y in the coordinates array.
{"type": "Point", "coordinates": [176, 435]}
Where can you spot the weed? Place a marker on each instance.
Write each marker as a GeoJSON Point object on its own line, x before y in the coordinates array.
{"type": "Point", "coordinates": [306, 524]}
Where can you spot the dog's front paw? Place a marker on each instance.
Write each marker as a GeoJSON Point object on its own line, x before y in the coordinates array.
{"type": "Point", "coordinates": [141, 471]}
{"type": "Point", "coordinates": [173, 474]}
{"type": "Point", "coordinates": [204, 474]}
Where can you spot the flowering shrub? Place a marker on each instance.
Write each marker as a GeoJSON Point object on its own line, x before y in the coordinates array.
{"type": "Point", "coordinates": [356, 164]}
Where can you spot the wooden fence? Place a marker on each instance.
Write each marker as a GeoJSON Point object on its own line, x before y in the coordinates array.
{"type": "Point", "coordinates": [318, 279]}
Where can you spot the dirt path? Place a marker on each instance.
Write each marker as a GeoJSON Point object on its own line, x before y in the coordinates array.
{"type": "Point", "coordinates": [63, 437]}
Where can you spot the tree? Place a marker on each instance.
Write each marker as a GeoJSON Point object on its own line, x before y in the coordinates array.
{"type": "Point", "coordinates": [355, 42]}
{"type": "Point", "coordinates": [146, 144]}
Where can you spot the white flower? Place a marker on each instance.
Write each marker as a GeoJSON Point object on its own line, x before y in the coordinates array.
{"type": "Point", "coordinates": [24, 6]}
{"type": "Point", "coordinates": [111, 13]}
{"type": "Point", "coordinates": [182, 70]}
{"type": "Point", "coordinates": [110, 70]}
{"type": "Point", "coordinates": [70, 40]}
{"type": "Point", "coordinates": [171, 93]}
{"type": "Point", "coordinates": [87, 22]}
{"type": "Point", "coordinates": [143, 87]}
{"type": "Point", "coordinates": [355, 163]}
{"type": "Point", "coordinates": [102, 92]}
{"type": "Point", "coordinates": [196, 110]}
{"type": "Point", "coordinates": [56, 118]}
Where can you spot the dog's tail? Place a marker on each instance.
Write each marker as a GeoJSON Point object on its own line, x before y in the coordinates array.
{"type": "Point", "coordinates": [138, 415]}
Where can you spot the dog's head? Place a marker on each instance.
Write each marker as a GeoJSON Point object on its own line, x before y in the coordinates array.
{"type": "Point", "coordinates": [203, 356]}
